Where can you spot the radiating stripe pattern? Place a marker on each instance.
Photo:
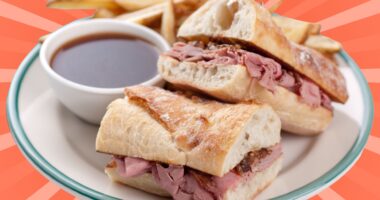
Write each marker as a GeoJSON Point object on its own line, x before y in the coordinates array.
{"type": "Point", "coordinates": [18, 45]}
{"type": "Point", "coordinates": [6, 75]}
{"type": "Point", "coordinates": [372, 75]}
{"type": "Point", "coordinates": [373, 144]}
{"type": "Point", "coordinates": [329, 194]}
{"type": "Point", "coordinates": [14, 13]}
{"type": "Point", "coordinates": [30, 16]}
{"type": "Point", "coordinates": [45, 192]}
{"type": "Point", "coordinates": [6, 141]}
{"type": "Point", "coordinates": [362, 11]}
{"type": "Point", "coordinates": [303, 7]}
{"type": "Point", "coordinates": [271, 3]}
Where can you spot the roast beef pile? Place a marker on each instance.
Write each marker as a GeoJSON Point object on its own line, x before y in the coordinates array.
{"type": "Point", "coordinates": [186, 184]}
{"type": "Point", "coordinates": [267, 71]}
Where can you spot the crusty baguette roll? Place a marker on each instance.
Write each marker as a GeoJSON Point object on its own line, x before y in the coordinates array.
{"type": "Point", "coordinates": [245, 190]}
{"type": "Point", "coordinates": [250, 24]}
{"type": "Point", "coordinates": [233, 83]}
{"type": "Point", "coordinates": [158, 125]}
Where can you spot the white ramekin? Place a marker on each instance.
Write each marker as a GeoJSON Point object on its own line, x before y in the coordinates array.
{"type": "Point", "coordinates": [89, 103]}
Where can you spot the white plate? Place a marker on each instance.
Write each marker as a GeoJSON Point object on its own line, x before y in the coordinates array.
{"type": "Point", "coordinates": [62, 147]}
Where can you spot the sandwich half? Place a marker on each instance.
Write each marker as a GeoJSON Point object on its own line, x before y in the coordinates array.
{"type": "Point", "coordinates": [235, 52]}
{"type": "Point", "coordinates": [186, 147]}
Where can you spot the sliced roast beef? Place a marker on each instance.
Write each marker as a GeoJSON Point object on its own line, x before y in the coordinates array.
{"type": "Point", "coordinates": [130, 167]}
{"type": "Point", "coordinates": [268, 72]}
{"type": "Point", "coordinates": [310, 92]}
{"type": "Point", "coordinates": [288, 81]}
{"type": "Point", "coordinates": [257, 161]}
{"type": "Point", "coordinates": [216, 185]}
{"type": "Point", "coordinates": [183, 51]}
{"type": "Point", "coordinates": [326, 101]}
{"type": "Point", "coordinates": [184, 183]}
{"type": "Point", "coordinates": [180, 185]}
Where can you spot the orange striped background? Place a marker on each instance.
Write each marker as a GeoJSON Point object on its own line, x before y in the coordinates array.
{"type": "Point", "coordinates": [355, 23]}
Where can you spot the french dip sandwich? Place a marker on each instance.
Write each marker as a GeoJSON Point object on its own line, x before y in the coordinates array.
{"type": "Point", "coordinates": [187, 148]}
{"type": "Point", "coordinates": [235, 52]}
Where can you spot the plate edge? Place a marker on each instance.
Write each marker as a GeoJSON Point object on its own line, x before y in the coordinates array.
{"type": "Point", "coordinates": [52, 173]}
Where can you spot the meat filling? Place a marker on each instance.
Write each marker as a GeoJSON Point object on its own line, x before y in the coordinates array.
{"type": "Point", "coordinates": [268, 72]}
{"type": "Point", "coordinates": [184, 183]}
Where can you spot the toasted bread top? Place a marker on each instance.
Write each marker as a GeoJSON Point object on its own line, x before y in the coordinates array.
{"type": "Point", "coordinates": [249, 24]}
{"type": "Point", "coordinates": [212, 137]}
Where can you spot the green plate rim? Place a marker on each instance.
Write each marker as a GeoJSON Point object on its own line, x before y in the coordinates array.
{"type": "Point", "coordinates": [52, 173]}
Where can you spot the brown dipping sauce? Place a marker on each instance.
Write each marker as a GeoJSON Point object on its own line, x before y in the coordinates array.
{"type": "Point", "coordinates": [106, 60]}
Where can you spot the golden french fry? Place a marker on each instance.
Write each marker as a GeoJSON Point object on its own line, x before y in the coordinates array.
{"type": "Point", "coordinates": [132, 5]}
{"type": "Point", "coordinates": [151, 16]}
{"type": "Point", "coordinates": [323, 44]}
{"type": "Point", "coordinates": [144, 16]}
{"type": "Point", "coordinates": [82, 4]}
{"type": "Point", "coordinates": [315, 29]}
{"type": "Point", "coordinates": [147, 15]}
{"type": "Point", "coordinates": [108, 13]}
{"type": "Point", "coordinates": [168, 23]}
{"type": "Point", "coordinates": [295, 30]}
{"type": "Point", "coordinates": [276, 5]}
{"type": "Point", "coordinates": [104, 13]}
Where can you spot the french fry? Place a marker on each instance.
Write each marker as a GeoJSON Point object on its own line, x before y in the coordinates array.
{"type": "Point", "coordinates": [315, 29]}
{"type": "Point", "coordinates": [168, 23]}
{"type": "Point", "coordinates": [323, 44]}
{"type": "Point", "coordinates": [295, 30]}
{"type": "Point", "coordinates": [153, 13]}
{"type": "Point", "coordinates": [144, 16]}
{"type": "Point", "coordinates": [132, 5]}
{"type": "Point", "coordinates": [108, 13]}
{"type": "Point", "coordinates": [82, 4]}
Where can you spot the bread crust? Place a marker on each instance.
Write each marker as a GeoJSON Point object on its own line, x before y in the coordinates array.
{"type": "Point", "coordinates": [212, 137]}
{"type": "Point", "coordinates": [296, 116]}
{"type": "Point", "coordinates": [129, 130]}
{"type": "Point", "coordinates": [266, 36]}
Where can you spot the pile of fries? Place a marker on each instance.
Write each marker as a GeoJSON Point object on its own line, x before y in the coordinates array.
{"type": "Point", "coordinates": [308, 34]}
{"type": "Point", "coordinates": [166, 16]}
{"type": "Point", "coordinates": [163, 16]}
